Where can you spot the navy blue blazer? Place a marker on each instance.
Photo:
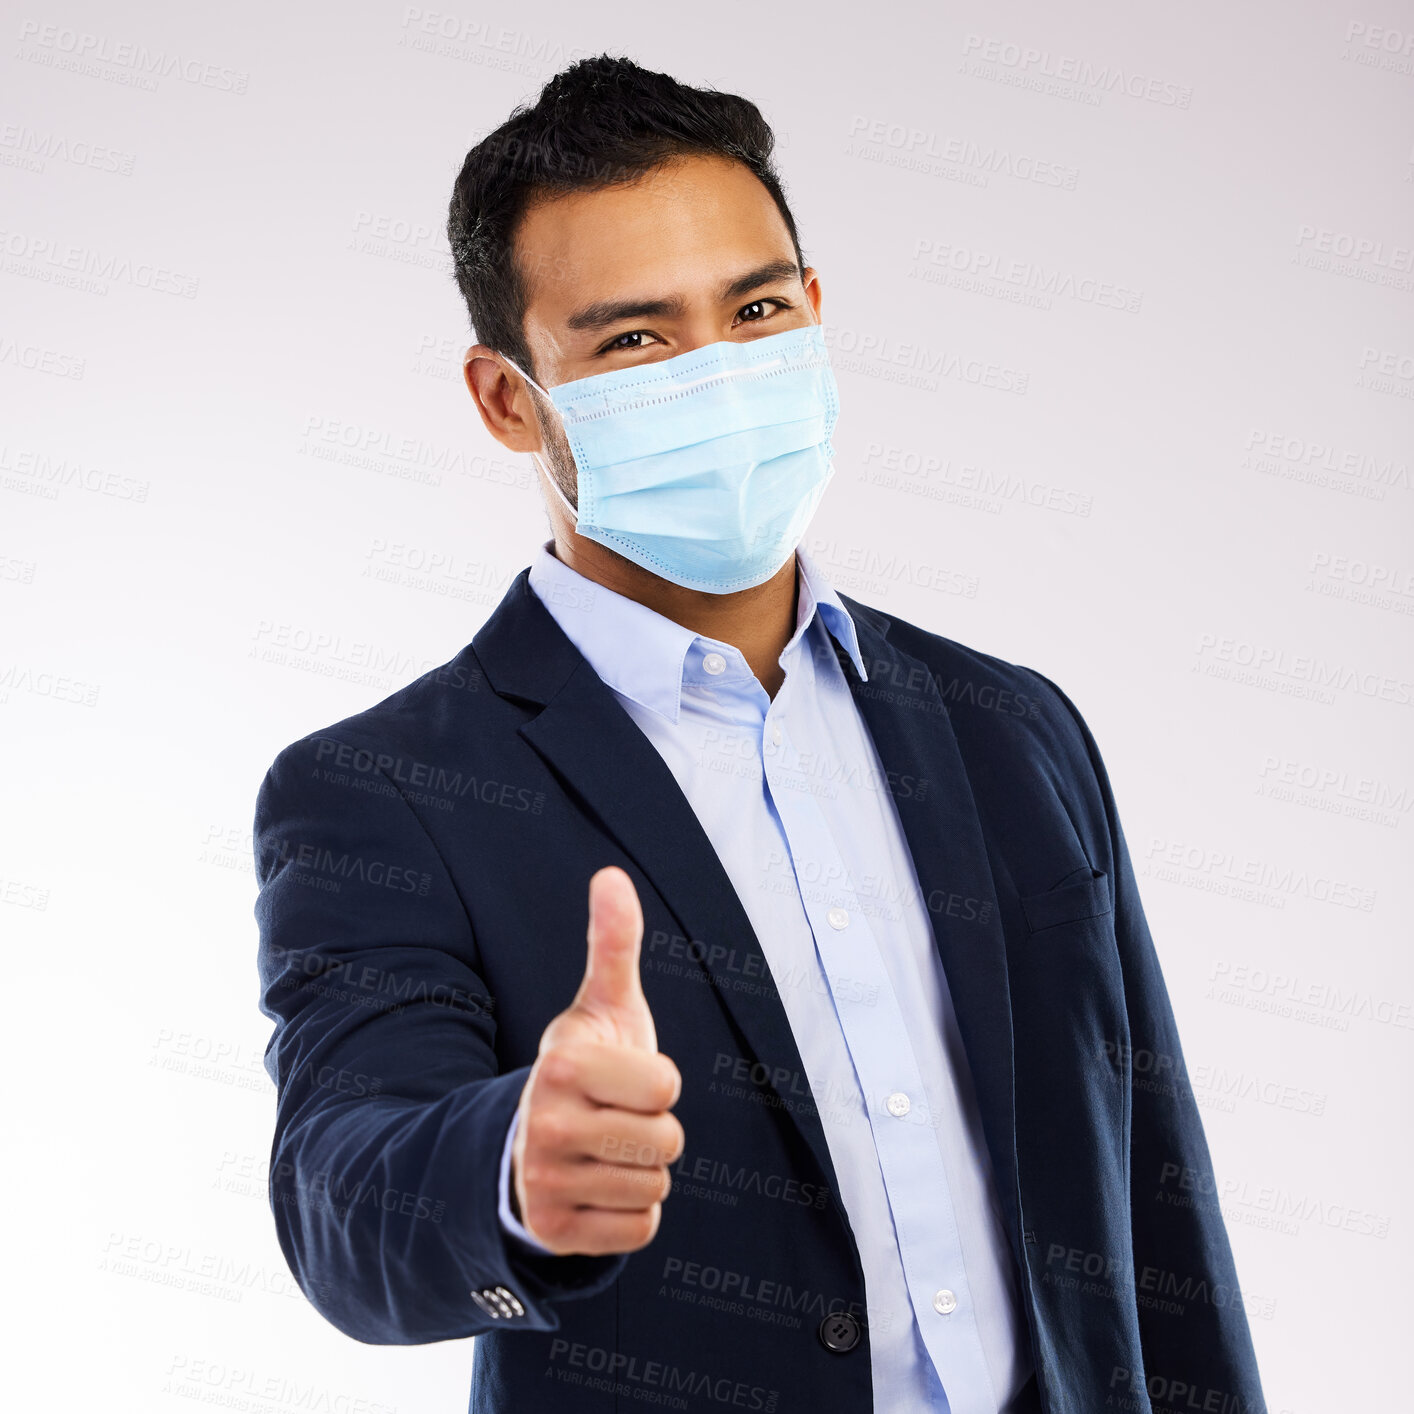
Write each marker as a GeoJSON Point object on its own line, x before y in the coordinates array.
{"type": "Point", "coordinates": [423, 869]}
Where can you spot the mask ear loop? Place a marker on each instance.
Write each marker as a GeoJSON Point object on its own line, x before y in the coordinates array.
{"type": "Point", "coordinates": [555, 487]}
{"type": "Point", "coordinates": [535, 456]}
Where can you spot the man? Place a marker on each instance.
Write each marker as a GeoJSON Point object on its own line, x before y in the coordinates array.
{"type": "Point", "coordinates": [835, 1109]}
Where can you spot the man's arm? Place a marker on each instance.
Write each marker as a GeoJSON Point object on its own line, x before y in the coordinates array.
{"type": "Point", "coordinates": [1180, 1242]}
{"type": "Point", "coordinates": [391, 1117]}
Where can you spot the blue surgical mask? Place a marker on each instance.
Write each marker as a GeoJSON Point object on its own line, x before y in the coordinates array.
{"type": "Point", "coordinates": [705, 468]}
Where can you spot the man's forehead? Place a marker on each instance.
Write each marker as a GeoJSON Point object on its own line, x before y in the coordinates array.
{"type": "Point", "coordinates": [667, 236]}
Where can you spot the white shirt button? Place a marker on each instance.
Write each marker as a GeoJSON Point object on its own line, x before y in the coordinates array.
{"type": "Point", "coordinates": [839, 917]}
{"type": "Point", "coordinates": [898, 1104]}
{"type": "Point", "coordinates": [944, 1302]}
{"type": "Point", "coordinates": [714, 663]}
{"type": "Point", "coordinates": [776, 733]}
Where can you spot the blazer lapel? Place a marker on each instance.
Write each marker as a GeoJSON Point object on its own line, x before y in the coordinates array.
{"type": "Point", "coordinates": [584, 733]}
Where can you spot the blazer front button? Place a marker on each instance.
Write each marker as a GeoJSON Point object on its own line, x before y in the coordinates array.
{"type": "Point", "coordinates": [839, 1331]}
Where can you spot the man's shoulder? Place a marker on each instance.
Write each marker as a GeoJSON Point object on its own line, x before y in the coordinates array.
{"type": "Point", "coordinates": [436, 717]}
{"type": "Point", "coordinates": [989, 699]}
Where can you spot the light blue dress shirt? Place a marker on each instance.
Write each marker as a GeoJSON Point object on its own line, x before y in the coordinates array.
{"type": "Point", "coordinates": [792, 796]}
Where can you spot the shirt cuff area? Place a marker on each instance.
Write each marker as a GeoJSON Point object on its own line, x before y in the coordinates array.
{"type": "Point", "coordinates": [508, 1218]}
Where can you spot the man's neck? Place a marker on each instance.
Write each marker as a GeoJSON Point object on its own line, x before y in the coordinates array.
{"type": "Point", "coordinates": [758, 622]}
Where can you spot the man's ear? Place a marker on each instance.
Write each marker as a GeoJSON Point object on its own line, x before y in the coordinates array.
{"type": "Point", "coordinates": [503, 399]}
{"type": "Point", "coordinates": [810, 278]}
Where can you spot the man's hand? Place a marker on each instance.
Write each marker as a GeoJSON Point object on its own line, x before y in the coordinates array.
{"type": "Point", "coordinates": [589, 1165]}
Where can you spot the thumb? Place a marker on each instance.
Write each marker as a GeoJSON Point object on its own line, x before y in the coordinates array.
{"type": "Point", "coordinates": [611, 986]}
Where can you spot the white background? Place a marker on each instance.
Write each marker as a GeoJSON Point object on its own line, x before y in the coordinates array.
{"type": "Point", "coordinates": [245, 494]}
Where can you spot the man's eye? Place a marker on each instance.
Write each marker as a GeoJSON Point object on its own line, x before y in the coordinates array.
{"type": "Point", "coordinates": [760, 309]}
{"type": "Point", "coordinates": [617, 343]}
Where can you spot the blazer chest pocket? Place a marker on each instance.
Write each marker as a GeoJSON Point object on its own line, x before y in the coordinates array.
{"type": "Point", "coordinates": [1071, 902]}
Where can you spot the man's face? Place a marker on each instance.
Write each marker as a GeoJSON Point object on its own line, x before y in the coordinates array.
{"type": "Point", "coordinates": [692, 253]}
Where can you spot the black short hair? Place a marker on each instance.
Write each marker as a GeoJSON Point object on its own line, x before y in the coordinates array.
{"type": "Point", "coordinates": [600, 122]}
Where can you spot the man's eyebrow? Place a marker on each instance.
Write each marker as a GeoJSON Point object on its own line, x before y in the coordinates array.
{"type": "Point", "coordinates": [605, 312]}
{"type": "Point", "coordinates": [762, 275]}
{"type": "Point", "coordinates": [611, 311]}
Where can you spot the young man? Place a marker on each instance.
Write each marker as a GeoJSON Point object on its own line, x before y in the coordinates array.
{"type": "Point", "coordinates": [865, 963]}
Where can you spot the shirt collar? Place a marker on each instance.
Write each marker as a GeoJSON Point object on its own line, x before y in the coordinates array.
{"type": "Point", "coordinates": [640, 653]}
{"type": "Point", "coordinates": [816, 590]}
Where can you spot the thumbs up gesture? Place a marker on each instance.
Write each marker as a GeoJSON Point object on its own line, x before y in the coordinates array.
{"type": "Point", "coordinates": [589, 1165]}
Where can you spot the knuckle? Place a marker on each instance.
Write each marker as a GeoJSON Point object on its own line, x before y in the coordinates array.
{"type": "Point", "coordinates": [560, 1068]}
{"type": "Point", "coordinates": [550, 1179]}
{"type": "Point", "coordinates": [539, 1177]}
{"type": "Point", "coordinates": [550, 1129]}
{"type": "Point", "coordinates": [561, 1181]}
{"type": "Point", "coordinates": [553, 1223]}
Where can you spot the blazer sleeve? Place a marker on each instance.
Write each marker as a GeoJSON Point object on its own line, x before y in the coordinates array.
{"type": "Point", "coordinates": [1182, 1257]}
{"type": "Point", "coordinates": [391, 1109]}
